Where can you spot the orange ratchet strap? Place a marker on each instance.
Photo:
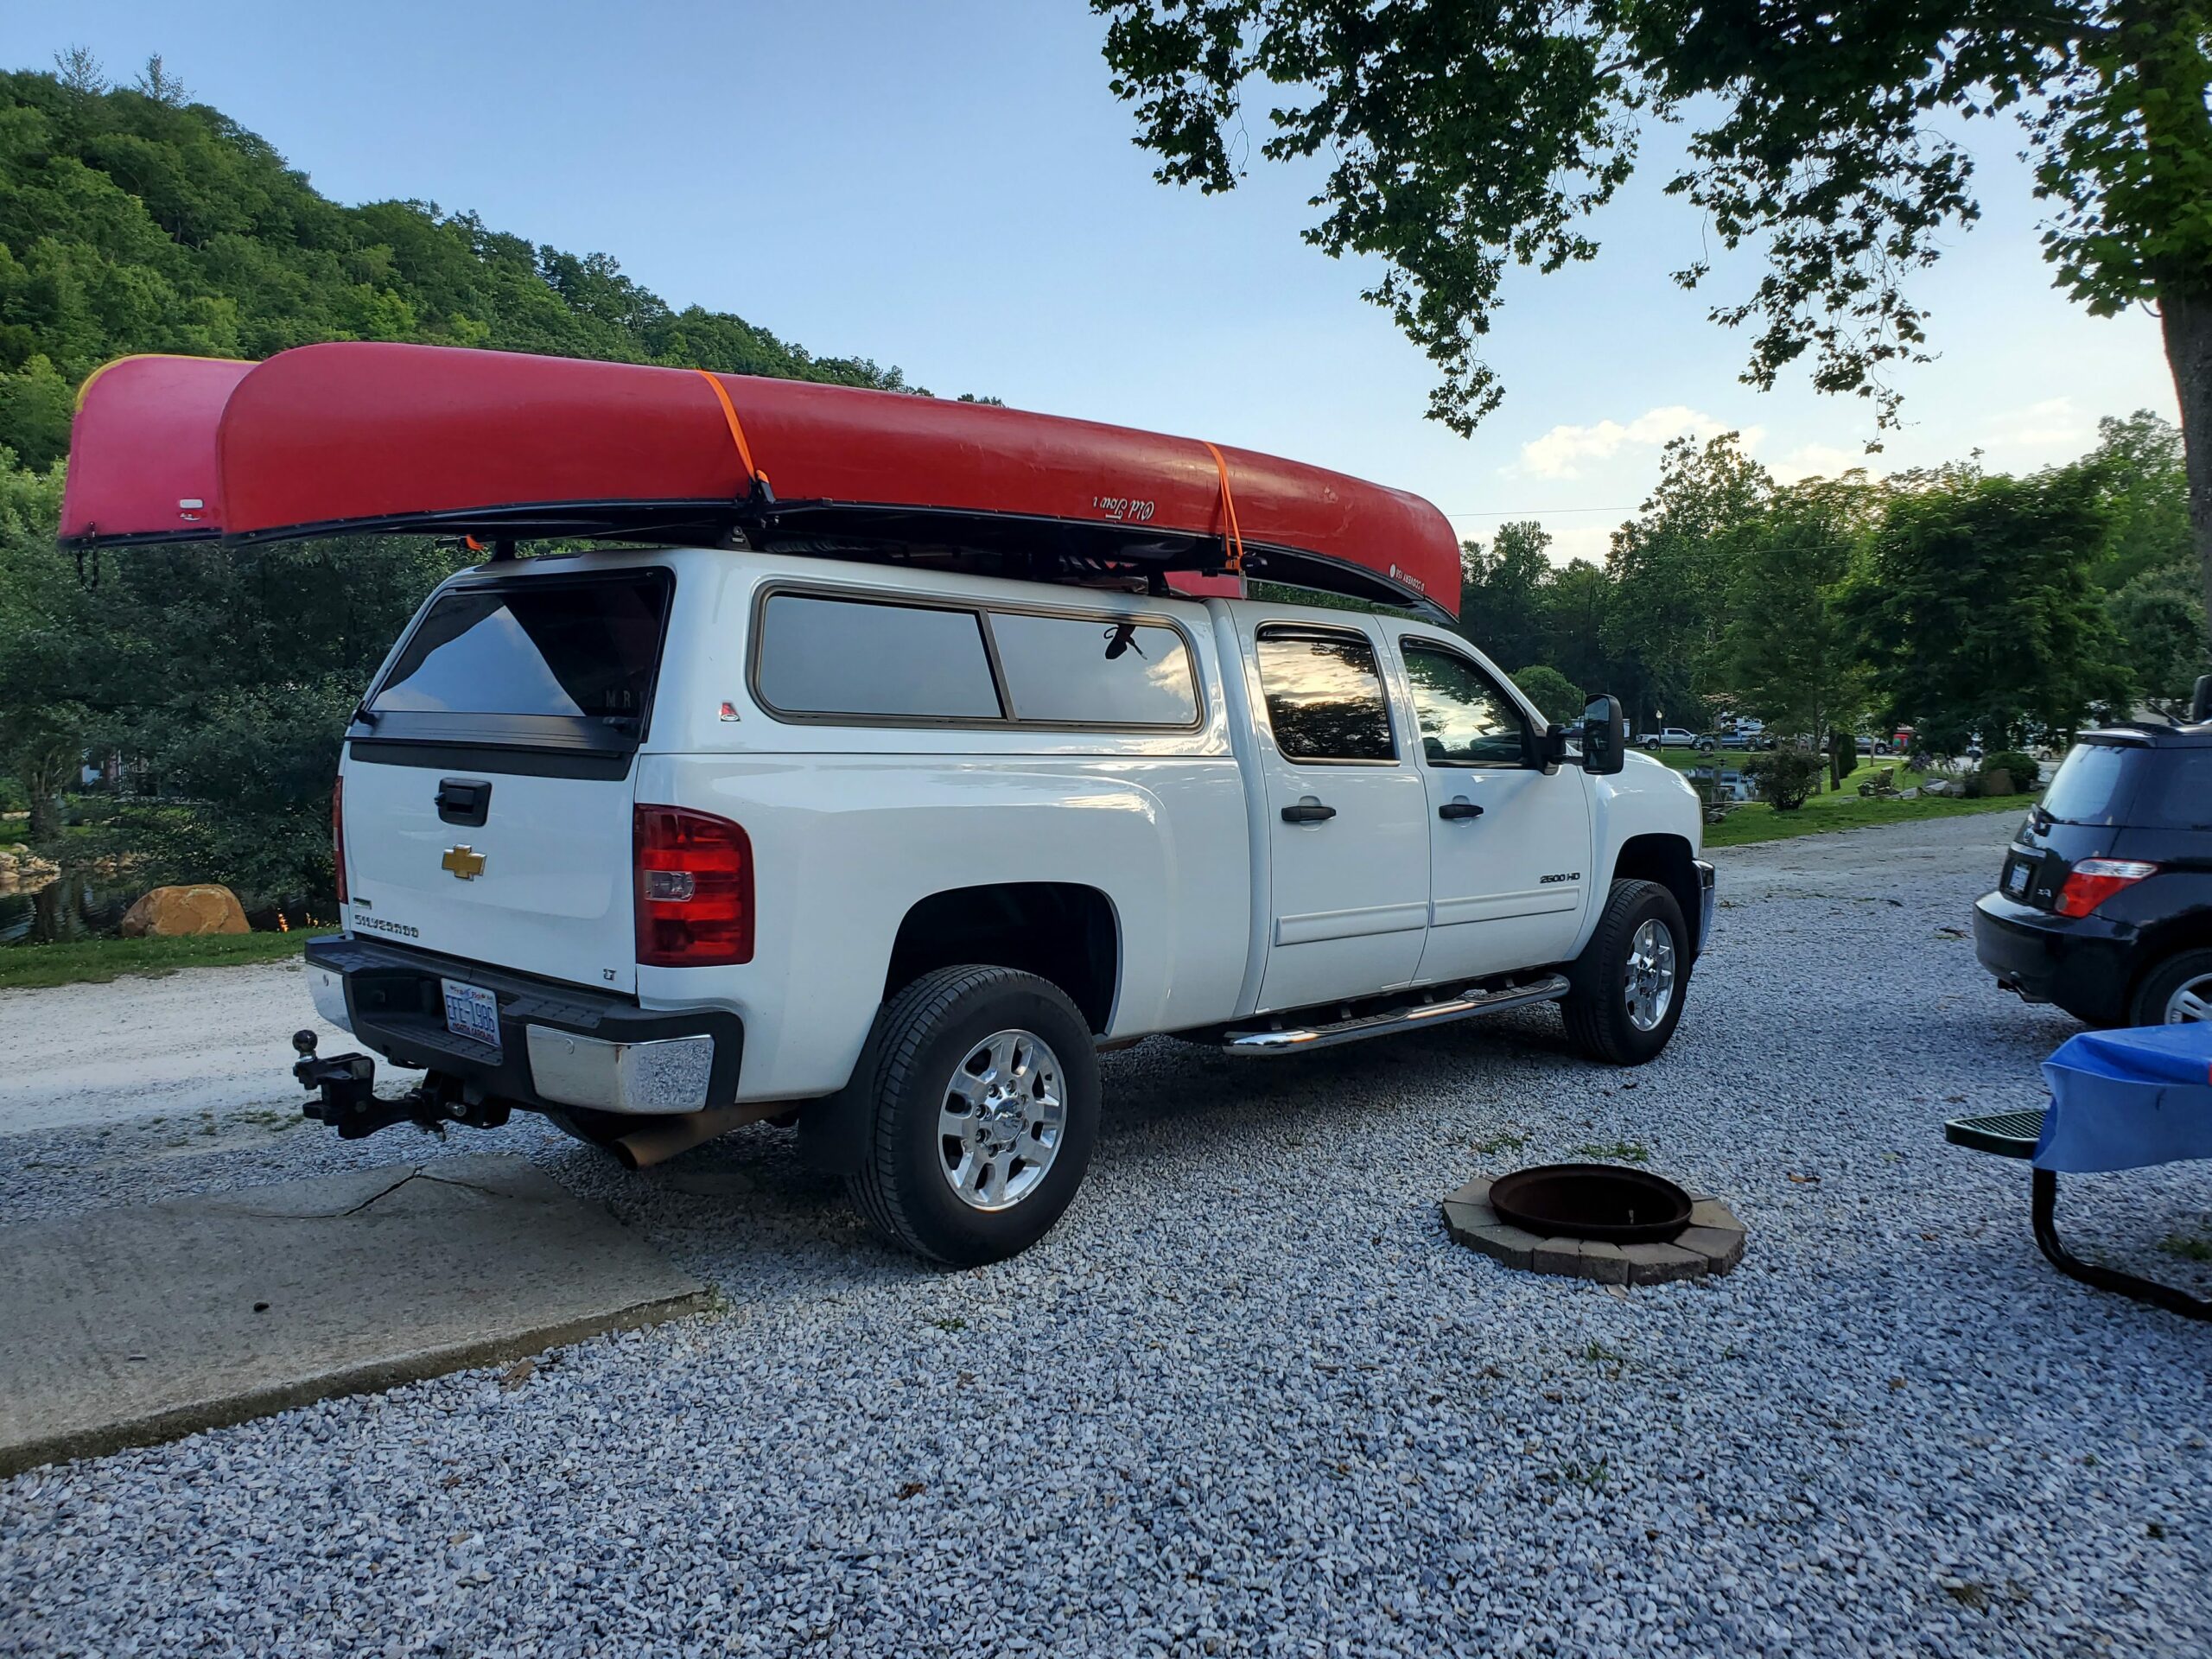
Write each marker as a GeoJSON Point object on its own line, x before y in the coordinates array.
{"type": "Point", "coordinates": [736, 429]}
{"type": "Point", "coordinates": [1236, 539]}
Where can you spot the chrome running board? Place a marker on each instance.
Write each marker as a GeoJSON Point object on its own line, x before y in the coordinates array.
{"type": "Point", "coordinates": [1297, 1039]}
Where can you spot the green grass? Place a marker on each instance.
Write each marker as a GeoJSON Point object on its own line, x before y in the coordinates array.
{"type": "Point", "coordinates": [1844, 809]}
{"type": "Point", "coordinates": [94, 962]}
{"type": "Point", "coordinates": [1824, 814]}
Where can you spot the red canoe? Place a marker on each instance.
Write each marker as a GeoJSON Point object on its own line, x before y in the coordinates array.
{"type": "Point", "coordinates": [356, 437]}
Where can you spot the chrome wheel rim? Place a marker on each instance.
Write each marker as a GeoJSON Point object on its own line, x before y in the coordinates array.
{"type": "Point", "coordinates": [2191, 1001]}
{"type": "Point", "coordinates": [1004, 1116]}
{"type": "Point", "coordinates": [1651, 987]}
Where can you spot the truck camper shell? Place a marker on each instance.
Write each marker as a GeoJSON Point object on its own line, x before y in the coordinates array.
{"type": "Point", "coordinates": [359, 437]}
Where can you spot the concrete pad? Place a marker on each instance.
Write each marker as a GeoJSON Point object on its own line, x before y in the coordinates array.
{"type": "Point", "coordinates": [127, 1326]}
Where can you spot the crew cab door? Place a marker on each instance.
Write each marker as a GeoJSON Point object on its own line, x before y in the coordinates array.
{"type": "Point", "coordinates": [1509, 846]}
{"type": "Point", "coordinates": [1348, 881]}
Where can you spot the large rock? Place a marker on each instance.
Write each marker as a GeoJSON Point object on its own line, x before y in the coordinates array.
{"type": "Point", "coordinates": [178, 912]}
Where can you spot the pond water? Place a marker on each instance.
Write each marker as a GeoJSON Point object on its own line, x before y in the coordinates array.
{"type": "Point", "coordinates": [72, 905]}
{"type": "Point", "coordinates": [86, 904]}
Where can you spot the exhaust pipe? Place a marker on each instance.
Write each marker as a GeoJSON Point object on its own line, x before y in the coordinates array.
{"type": "Point", "coordinates": [662, 1139]}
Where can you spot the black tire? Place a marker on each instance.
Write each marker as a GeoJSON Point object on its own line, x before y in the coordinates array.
{"type": "Point", "coordinates": [921, 1036]}
{"type": "Point", "coordinates": [2148, 1005]}
{"type": "Point", "coordinates": [1596, 1009]}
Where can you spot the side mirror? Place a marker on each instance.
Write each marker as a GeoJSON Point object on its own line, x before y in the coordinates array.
{"type": "Point", "coordinates": [1604, 736]}
{"type": "Point", "coordinates": [2200, 705]}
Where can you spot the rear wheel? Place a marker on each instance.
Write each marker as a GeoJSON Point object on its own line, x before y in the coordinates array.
{"type": "Point", "coordinates": [985, 1091]}
{"type": "Point", "coordinates": [1626, 987]}
{"type": "Point", "coordinates": [2178, 991]}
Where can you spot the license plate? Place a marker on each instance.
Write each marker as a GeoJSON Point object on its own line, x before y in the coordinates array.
{"type": "Point", "coordinates": [472, 1012]}
{"type": "Point", "coordinates": [2016, 879]}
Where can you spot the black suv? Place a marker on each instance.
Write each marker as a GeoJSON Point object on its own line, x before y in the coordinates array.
{"type": "Point", "coordinates": [2104, 903]}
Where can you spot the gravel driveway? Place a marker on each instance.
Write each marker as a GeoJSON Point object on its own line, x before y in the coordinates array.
{"type": "Point", "coordinates": [1248, 1398]}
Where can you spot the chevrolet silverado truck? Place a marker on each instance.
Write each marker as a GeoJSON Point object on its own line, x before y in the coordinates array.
{"type": "Point", "coordinates": [659, 843]}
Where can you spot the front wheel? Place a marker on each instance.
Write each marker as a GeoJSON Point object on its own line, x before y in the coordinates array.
{"type": "Point", "coordinates": [985, 1097]}
{"type": "Point", "coordinates": [1625, 990]}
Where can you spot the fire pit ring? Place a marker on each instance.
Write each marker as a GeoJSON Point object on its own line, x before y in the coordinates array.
{"type": "Point", "coordinates": [1600, 1201]}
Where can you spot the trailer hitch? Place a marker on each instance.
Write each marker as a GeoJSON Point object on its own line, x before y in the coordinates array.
{"type": "Point", "coordinates": [346, 1100]}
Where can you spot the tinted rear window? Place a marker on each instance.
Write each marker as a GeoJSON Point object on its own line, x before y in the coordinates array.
{"type": "Point", "coordinates": [843, 656]}
{"type": "Point", "coordinates": [1095, 672]}
{"type": "Point", "coordinates": [2175, 791]}
{"type": "Point", "coordinates": [580, 650]}
{"type": "Point", "coordinates": [2091, 784]}
{"type": "Point", "coordinates": [1324, 697]}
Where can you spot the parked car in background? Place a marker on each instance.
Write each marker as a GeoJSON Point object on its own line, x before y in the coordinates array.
{"type": "Point", "coordinates": [1671, 737]}
{"type": "Point", "coordinates": [2104, 904]}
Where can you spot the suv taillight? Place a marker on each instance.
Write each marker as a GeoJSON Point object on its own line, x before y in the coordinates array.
{"type": "Point", "coordinates": [2092, 881]}
{"type": "Point", "coordinates": [338, 835]}
{"type": "Point", "coordinates": [695, 889]}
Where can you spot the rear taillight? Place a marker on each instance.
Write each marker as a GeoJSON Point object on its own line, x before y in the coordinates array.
{"type": "Point", "coordinates": [695, 889]}
{"type": "Point", "coordinates": [2092, 881]}
{"type": "Point", "coordinates": [338, 835]}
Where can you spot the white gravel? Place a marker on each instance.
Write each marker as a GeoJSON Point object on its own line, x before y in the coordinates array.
{"type": "Point", "coordinates": [199, 1040]}
{"type": "Point", "coordinates": [1249, 1399]}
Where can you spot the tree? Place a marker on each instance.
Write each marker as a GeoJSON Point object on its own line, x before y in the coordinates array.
{"type": "Point", "coordinates": [2138, 472]}
{"type": "Point", "coordinates": [1577, 602]}
{"type": "Point", "coordinates": [1788, 653]}
{"type": "Point", "coordinates": [2158, 618]}
{"type": "Point", "coordinates": [1977, 611]}
{"type": "Point", "coordinates": [1502, 591]}
{"type": "Point", "coordinates": [1554, 694]}
{"type": "Point", "coordinates": [1671, 568]}
{"type": "Point", "coordinates": [1465, 138]}
{"type": "Point", "coordinates": [49, 638]}
{"type": "Point", "coordinates": [79, 70]}
{"type": "Point", "coordinates": [158, 84]}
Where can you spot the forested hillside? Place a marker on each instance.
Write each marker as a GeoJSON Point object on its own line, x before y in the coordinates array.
{"type": "Point", "coordinates": [132, 223]}
{"type": "Point", "coordinates": [133, 219]}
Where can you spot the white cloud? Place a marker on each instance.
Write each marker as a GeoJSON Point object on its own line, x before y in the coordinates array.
{"type": "Point", "coordinates": [1558, 453]}
{"type": "Point", "coordinates": [1817, 461]}
{"type": "Point", "coordinates": [1573, 539]}
{"type": "Point", "coordinates": [2054, 422]}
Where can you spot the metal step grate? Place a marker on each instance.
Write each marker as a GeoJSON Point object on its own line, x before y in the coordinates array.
{"type": "Point", "coordinates": [2009, 1134]}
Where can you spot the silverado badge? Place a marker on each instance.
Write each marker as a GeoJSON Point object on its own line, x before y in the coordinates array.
{"type": "Point", "coordinates": [465, 862]}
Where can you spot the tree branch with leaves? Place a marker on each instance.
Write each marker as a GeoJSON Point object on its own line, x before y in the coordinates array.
{"type": "Point", "coordinates": [1467, 138]}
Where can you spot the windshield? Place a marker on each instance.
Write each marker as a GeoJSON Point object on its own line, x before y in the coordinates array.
{"type": "Point", "coordinates": [2090, 788]}
{"type": "Point", "coordinates": [572, 649]}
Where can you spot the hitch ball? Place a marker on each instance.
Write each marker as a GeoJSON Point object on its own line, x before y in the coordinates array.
{"type": "Point", "coordinates": [303, 1044]}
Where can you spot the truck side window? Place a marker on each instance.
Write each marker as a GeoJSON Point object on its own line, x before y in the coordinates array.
{"type": "Point", "coordinates": [1465, 719]}
{"type": "Point", "coordinates": [850, 656]}
{"type": "Point", "coordinates": [1094, 670]}
{"type": "Point", "coordinates": [1325, 695]}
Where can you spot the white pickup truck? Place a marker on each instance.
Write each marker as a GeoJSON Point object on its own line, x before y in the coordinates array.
{"type": "Point", "coordinates": [658, 842]}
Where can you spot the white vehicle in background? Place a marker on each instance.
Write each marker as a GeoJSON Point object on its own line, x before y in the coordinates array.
{"type": "Point", "coordinates": [658, 842]}
{"type": "Point", "coordinates": [1671, 737]}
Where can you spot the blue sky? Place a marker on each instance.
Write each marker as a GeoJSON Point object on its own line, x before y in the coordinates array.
{"type": "Point", "coordinates": [948, 185]}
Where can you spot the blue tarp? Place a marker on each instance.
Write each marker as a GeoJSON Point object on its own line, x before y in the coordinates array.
{"type": "Point", "coordinates": [2129, 1099]}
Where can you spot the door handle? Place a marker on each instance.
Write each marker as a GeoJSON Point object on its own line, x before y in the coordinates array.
{"type": "Point", "coordinates": [1308, 810]}
{"type": "Point", "coordinates": [465, 801]}
{"type": "Point", "coordinates": [1458, 807]}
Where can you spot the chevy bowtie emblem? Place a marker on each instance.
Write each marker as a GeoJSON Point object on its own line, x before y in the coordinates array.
{"type": "Point", "coordinates": [465, 862]}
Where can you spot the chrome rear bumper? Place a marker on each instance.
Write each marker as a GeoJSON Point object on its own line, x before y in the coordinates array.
{"type": "Point", "coordinates": [665, 1074]}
